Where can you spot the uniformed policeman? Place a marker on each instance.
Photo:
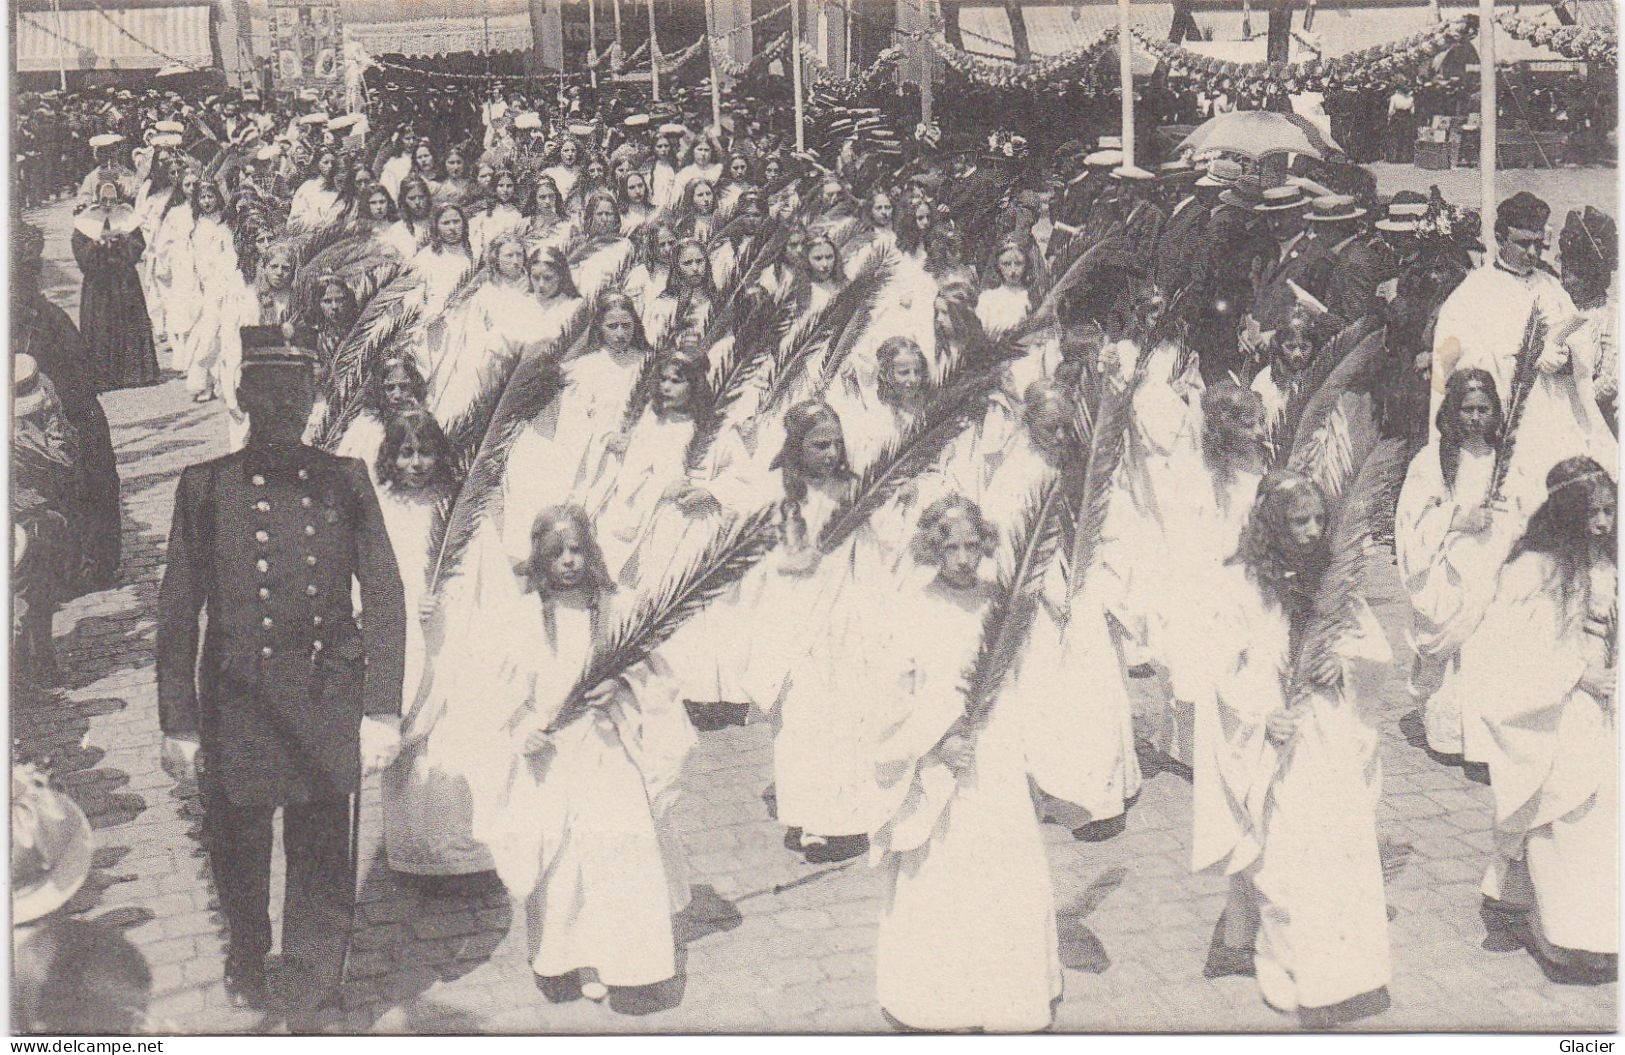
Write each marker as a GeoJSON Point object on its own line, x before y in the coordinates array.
{"type": "Point", "coordinates": [294, 693]}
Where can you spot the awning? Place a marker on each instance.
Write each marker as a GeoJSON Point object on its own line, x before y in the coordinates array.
{"type": "Point", "coordinates": [1339, 28]}
{"type": "Point", "coordinates": [114, 38]}
{"type": "Point", "coordinates": [438, 27]}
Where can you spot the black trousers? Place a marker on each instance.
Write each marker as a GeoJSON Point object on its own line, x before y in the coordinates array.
{"type": "Point", "coordinates": [319, 900]}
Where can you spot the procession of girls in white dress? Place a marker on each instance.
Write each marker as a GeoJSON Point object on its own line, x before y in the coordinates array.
{"type": "Point", "coordinates": [803, 452]}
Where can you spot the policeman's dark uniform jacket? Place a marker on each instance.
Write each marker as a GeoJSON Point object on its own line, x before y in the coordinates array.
{"type": "Point", "coordinates": [266, 542]}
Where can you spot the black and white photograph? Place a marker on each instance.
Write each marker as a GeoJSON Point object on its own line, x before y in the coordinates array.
{"type": "Point", "coordinates": [814, 517]}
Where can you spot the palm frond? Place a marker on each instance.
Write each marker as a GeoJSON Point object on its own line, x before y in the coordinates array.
{"type": "Point", "coordinates": [725, 560]}
{"type": "Point", "coordinates": [1523, 382]}
{"type": "Point", "coordinates": [761, 327]}
{"type": "Point", "coordinates": [1009, 617]}
{"type": "Point", "coordinates": [468, 283]}
{"type": "Point", "coordinates": [852, 327]}
{"type": "Point", "coordinates": [478, 471]}
{"type": "Point", "coordinates": [383, 330]}
{"type": "Point", "coordinates": [1364, 513]}
{"type": "Point", "coordinates": [1347, 362]}
{"type": "Point", "coordinates": [814, 335]}
{"type": "Point", "coordinates": [307, 243]}
{"type": "Point", "coordinates": [1310, 443]}
{"type": "Point", "coordinates": [1102, 418]}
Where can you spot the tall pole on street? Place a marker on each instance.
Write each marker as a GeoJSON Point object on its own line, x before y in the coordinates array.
{"type": "Point", "coordinates": [1486, 119]}
{"type": "Point", "coordinates": [795, 72]}
{"type": "Point", "coordinates": [1125, 73]}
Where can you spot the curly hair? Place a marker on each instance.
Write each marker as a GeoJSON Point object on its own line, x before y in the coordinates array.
{"type": "Point", "coordinates": [375, 397]}
{"type": "Point", "coordinates": [926, 546]}
{"type": "Point", "coordinates": [493, 251]}
{"type": "Point", "coordinates": [692, 364]}
{"type": "Point", "coordinates": [545, 548]}
{"type": "Point", "coordinates": [420, 426]}
{"type": "Point", "coordinates": [885, 356]}
{"type": "Point", "coordinates": [1560, 526]}
{"type": "Point", "coordinates": [1463, 383]}
{"type": "Point", "coordinates": [434, 228]}
{"type": "Point", "coordinates": [1287, 573]}
{"type": "Point", "coordinates": [1225, 407]}
{"type": "Point", "coordinates": [703, 286]}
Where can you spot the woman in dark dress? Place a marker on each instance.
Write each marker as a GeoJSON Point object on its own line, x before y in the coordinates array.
{"type": "Point", "coordinates": [107, 243]}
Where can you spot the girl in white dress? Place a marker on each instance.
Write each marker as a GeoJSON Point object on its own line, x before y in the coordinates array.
{"type": "Point", "coordinates": [563, 454]}
{"type": "Point", "coordinates": [569, 814]}
{"type": "Point", "coordinates": [803, 608]}
{"type": "Point", "coordinates": [697, 211]}
{"type": "Point", "coordinates": [702, 165]}
{"type": "Point", "coordinates": [565, 174]}
{"type": "Point", "coordinates": [1286, 789]}
{"type": "Point", "coordinates": [457, 188]}
{"type": "Point", "coordinates": [499, 215]}
{"type": "Point", "coordinates": [1544, 666]}
{"type": "Point", "coordinates": [685, 303]}
{"type": "Point", "coordinates": [427, 810]}
{"type": "Point", "coordinates": [214, 260]}
{"type": "Point", "coordinates": [652, 273]}
{"type": "Point", "coordinates": [634, 195]}
{"type": "Point", "coordinates": [662, 171]}
{"type": "Point", "coordinates": [967, 936]}
{"type": "Point", "coordinates": [606, 249]}
{"type": "Point", "coordinates": [409, 234]}
{"type": "Point", "coordinates": [174, 272]}
{"type": "Point", "coordinates": [1451, 546]}
{"type": "Point", "coordinates": [545, 223]}
{"type": "Point", "coordinates": [440, 267]}
{"type": "Point", "coordinates": [318, 202]}
{"type": "Point", "coordinates": [375, 213]}
{"type": "Point", "coordinates": [397, 389]}
{"type": "Point", "coordinates": [484, 330]}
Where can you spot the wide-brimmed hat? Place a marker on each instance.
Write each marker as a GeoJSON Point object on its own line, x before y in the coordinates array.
{"type": "Point", "coordinates": [1177, 171]}
{"type": "Point", "coordinates": [27, 389]}
{"type": "Point", "coordinates": [1404, 212]}
{"type": "Point", "coordinates": [1132, 174]}
{"type": "Point", "coordinates": [169, 126]}
{"type": "Point", "coordinates": [1104, 159]}
{"type": "Point", "coordinates": [166, 140]}
{"type": "Point", "coordinates": [105, 139]}
{"type": "Point", "coordinates": [1281, 199]}
{"type": "Point", "coordinates": [1334, 208]}
{"type": "Point", "coordinates": [1221, 172]}
{"type": "Point", "coordinates": [51, 846]}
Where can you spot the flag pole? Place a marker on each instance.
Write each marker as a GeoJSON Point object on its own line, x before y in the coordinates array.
{"type": "Point", "coordinates": [654, 54]}
{"type": "Point", "coordinates": [711, 53]}
{"type": "Point", "coordinates": [592, 42]}
{"type": "Point", "coordinates": [795, 71]}
{"type": "Point", "coordinates": [1486, 119]}
{"type": "Point", "coordinates": [1125, 73]}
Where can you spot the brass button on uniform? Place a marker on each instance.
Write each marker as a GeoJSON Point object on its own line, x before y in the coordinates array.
{"type": "Point", "coordinates": [258, 481]}
{"type": "Point", "coordinates": [263, 565]}
{"type": "Point", "coordinates": [260, 536]}
{"type": "Point", "coordinates": [266, 652]}
{"type": "Point", "coordinates": [265, 595]}
{"type": "Point", "coordinates": [304, 474]}
{"type": "Point", "coordinates": [316, 620]}
{"type": "Point", "coordinates": [310, 559]}
{"type": "Point", "coordinates": [263, 506]}
{"type": "Point", "coordinates": [310, 529]}
{"type": "Point", "coordinates": [305, 501]}
{"type": "Point", "coordinates": [310, 591]}
{"type": "Point", "coordinates": [316, 646]}
{"type": "Point", "coordinates": [266, 622]}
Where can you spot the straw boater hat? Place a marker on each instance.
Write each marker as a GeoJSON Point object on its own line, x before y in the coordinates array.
{"type": "Point", "coordinates": [636, 120]}
{"type": "Point", "coordinates": [27, 388]}
{"type": "Point", "coordinates": [579, 129]}
{"type": "Point", "coordinates": [1177, 171]}
{"type": "Point", "coordinates": [170, 126]}
{"type": "Point", "coordinates": [527, 120]}
{"type": "Point", "coordinates": [1132, 174]}
{"type": "Point", "coordinates": [105, 139]}
{"type": "Point", "coordinates": [1104, 159]}
{"type": "Point", "coordinates": [1221, 172]}
{"type": "Point", "coordinates": [1281, 199]}
{"type": "Point", "coordinates": [51, 846]}
{"type": "Point", "coordinates": [1404, 213]}
{"type": "Point", "coordinates": [1334, 208]}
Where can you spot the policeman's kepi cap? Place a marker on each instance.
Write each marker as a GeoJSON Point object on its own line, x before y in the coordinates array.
{"type": "Point", "coordinates": [265, 347]}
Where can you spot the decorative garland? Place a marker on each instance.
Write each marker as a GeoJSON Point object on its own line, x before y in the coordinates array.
{"type": "Point", "coordinates": [1582, 43]}
{"type": "Point", "coordinates": [729, 67]}
{"type": "Point", "coordinates": [846, 93]}
{"type": "Point", "coordinates": [1051, 72]}
{"type": "Point", "coordinates": [1358, 67]}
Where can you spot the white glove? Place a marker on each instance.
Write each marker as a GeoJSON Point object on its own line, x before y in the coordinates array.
{"type": "Point", "coordinates": [380, 742]}
{"type": "Point", "coordinates": [178, 756]}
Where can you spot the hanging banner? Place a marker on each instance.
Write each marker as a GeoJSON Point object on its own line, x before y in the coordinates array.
{"type": "Point", "coordinates": [307, 44]}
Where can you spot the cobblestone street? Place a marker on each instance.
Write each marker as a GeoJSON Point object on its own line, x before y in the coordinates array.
{"type": "Point", "coordinates": [771, 944]}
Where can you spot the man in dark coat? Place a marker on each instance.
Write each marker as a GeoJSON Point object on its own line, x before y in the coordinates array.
{"type": "Point", "coordinates": [42, 330]}
{"type": "Point", "coordinates": [1185, 231]}
{"type": "Point", "coordinates": [292, 690]}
